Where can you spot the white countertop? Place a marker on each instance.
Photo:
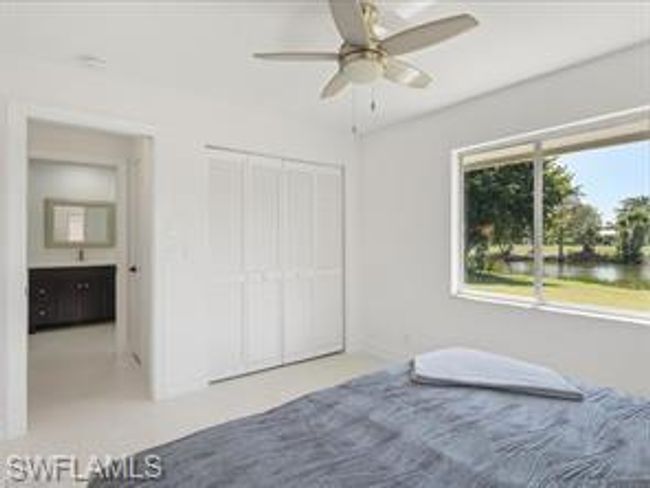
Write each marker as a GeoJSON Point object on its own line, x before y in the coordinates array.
{"type": "Point", "coordinates": [71, 264]}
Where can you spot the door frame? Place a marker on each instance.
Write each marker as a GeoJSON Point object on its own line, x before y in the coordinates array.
{"type": "Point", "coordinates": [13, 350]}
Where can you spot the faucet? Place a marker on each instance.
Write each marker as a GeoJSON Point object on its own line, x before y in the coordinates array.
{"type": "Point", "coordinates": [81, 255]}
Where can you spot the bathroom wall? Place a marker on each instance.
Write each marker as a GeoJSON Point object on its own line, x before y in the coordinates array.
{"type": "Point", "coordinates": [66, 181]}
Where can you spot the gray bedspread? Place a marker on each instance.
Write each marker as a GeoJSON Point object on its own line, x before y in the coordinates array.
{"type": "Point", "coordinates": [382, 430]}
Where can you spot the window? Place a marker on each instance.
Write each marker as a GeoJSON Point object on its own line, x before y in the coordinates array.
{"type": "Point", "coordinates": [561, 217]}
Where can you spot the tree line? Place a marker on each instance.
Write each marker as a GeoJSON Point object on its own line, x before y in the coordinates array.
{"type": "Point", "coordinates": [499, 214]}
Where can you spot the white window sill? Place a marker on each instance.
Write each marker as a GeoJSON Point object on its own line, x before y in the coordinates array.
{"type": "Point", "coordinates": [559, 308]}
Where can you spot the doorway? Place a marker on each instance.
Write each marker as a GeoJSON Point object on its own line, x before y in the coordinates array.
{"type": "Point", "coordinates": [78, 175]}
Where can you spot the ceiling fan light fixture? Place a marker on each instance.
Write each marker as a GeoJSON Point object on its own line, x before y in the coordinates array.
{"type": "Point", "coordinates": [363, 67]}
{"type": "Point", "coordinates": [363, 71]}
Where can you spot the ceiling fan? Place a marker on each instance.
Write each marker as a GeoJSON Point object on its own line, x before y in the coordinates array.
{"type": "Point", "coordinates": [364, 57]}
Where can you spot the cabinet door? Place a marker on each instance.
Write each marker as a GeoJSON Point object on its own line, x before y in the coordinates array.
{"type": "Point", "coordinates": [263, 318]}
{"type": "Point", "coordinates": [97, 294]}
{"type": "Point", "coordinates": [328, 305]}
{"type": "Point", "coordinates": [224, 341]}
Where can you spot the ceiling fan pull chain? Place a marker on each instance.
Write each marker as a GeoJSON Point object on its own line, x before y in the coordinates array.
{"type": "Point", "coordinates": [353, 112]}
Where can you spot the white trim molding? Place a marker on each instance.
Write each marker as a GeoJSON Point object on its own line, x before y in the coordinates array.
{"type": "Point", "coordinates": [14, 348]}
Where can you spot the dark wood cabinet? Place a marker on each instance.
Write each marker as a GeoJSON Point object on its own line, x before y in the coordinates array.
{"type": "Point", "coordinates": [75, 295]}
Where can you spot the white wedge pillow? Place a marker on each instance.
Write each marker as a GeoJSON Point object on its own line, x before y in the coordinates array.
{"type": "Point", "coordinates": [471, 368]}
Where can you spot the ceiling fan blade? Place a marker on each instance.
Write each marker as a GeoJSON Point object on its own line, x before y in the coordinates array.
{"type": "Point", "coordinates": [335, 85]}
{"type": "Point", "coordinates": [428, 34]}
{"type": "Point", "coordinates": [298, 56]}
{"type": "Point", "coordinates": [348, 17]}
{"type": "Point", "coordinates": [405, 74]}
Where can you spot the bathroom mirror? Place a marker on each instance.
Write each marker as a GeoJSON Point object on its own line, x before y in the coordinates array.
{"type": "Point", "coordinates": [79, 224]}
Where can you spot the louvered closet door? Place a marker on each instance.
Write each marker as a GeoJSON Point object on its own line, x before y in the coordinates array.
{"type": "Point", "coordinates": [225, 267]}
{"type": "Point", "coordinates": [327, 312]}
{"type": "Point", "coordinates": [298, 261]}
{"type": "Point", "coordinates": [262, 260]}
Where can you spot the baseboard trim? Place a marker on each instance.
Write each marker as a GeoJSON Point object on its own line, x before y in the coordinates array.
{"type": "Point", "coordinates": [314, 354]}
{"type": "Point", "coordinates": [289, 363]}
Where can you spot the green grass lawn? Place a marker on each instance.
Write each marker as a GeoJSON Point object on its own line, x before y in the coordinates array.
{"type": "Point", "coordinates": [570, 291]}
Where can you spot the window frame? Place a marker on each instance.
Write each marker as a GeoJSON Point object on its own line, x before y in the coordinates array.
{"type": "Point", "coordinates": [535, 139]}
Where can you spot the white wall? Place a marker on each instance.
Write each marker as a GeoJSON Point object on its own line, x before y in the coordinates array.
{"type": "Point", "coordinates": [65, 143]}
{"type": "Point", "coordinates": [184, 123]}
{"type": "Point", "coordinates": [404, 287]}
{"type": "Point", "coordinates": [76, 182]}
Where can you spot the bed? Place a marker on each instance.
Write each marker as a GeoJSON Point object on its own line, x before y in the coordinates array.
{"type": "Point", "coordinates": [383, 430]}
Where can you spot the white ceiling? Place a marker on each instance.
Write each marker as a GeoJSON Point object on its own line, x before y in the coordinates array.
{"type": "Point", "coordinates": [206, 48]}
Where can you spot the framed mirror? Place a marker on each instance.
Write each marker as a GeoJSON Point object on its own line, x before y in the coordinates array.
{"type": "Point", "coordinates": [79, 224]}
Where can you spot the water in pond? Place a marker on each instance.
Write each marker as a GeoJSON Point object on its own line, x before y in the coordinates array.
{"type": "Point", "coordinates": [607, 272]}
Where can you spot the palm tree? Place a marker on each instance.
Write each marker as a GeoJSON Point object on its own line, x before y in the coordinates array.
{"type": "Point", "coordinates": [633, 225]}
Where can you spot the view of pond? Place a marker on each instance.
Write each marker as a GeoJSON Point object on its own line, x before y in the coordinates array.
{"type": "Point", "coordinates": [607, 272]}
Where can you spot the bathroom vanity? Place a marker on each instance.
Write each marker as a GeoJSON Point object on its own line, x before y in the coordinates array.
{"type": "Point", "coordinates": [71, 295]}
